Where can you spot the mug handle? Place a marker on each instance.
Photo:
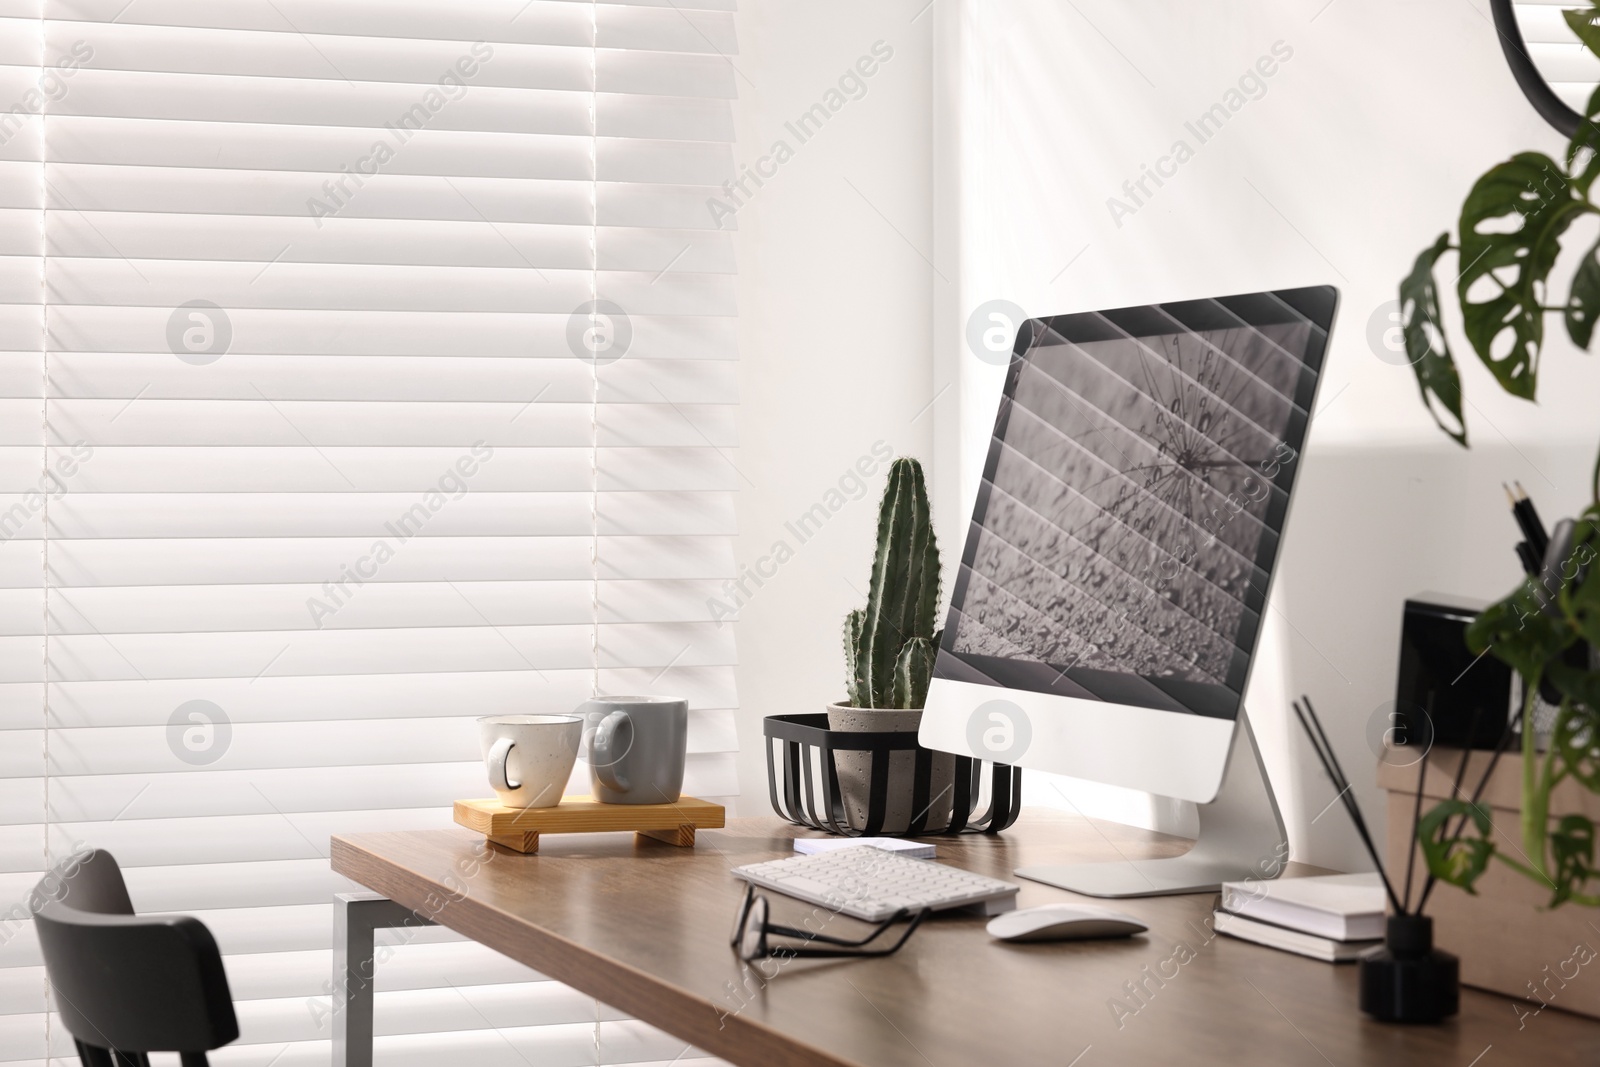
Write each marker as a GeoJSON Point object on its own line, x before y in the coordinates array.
{"type": "Point", "coordinates": [498, 754]}
{"type": "Point", "coordinates": [606, 750]}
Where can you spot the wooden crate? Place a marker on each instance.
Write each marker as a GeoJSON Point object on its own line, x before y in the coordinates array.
{"type": "Point", "coordinates": [519, 828]}
{"type": "Point", "coordinates": [1507, 939]}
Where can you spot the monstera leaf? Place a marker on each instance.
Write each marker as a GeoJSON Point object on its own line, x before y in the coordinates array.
{"type": "Point", "coordinates": [1572, 847]}
{"type": "Point", "coordinates": [1577, 740]}
{"type": "Point", "coordinates": [1585, 22]}
{"type": "Point", "coordinates": [1511, 227]}
{"type": "Point", "coordinates": [1583, 151]}
{"type": "Point", "coordinates": [1581, 578]}
{"type": "Point", "coordinates": [1520, 631]}
{"type": "Point", "coordinates": [1456, 859]}
{"type": "Point", "coordinates": [1426, 347]}
{"type": "Point", "coordinates": [1583, 303]}
{"type": "Point", "coordinates": [1579, 686]}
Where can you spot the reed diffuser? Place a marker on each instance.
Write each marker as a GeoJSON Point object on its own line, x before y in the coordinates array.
{"type": "Point", "coordinates": [1407, 980]}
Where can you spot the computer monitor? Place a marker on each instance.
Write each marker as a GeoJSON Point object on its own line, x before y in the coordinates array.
{"type": "Point", "coordinates": [1116, 569]}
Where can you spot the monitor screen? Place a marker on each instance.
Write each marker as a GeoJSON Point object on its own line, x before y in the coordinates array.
{"type": "Point", "coordinates": [1133, 499]}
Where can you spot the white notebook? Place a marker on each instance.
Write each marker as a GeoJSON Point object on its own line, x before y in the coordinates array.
{"type": "Point", "coordinates": [1342, 907]}
{"type": "Point", "coordinates": [917, 850]}
{"type": "Point", "coordinates": [1318, 948]}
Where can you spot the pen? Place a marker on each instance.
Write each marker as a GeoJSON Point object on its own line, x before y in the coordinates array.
{"type": "Point", "coordinates": [1528, 518]}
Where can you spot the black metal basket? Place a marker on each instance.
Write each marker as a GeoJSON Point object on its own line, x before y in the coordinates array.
{"type": "Point", "coordinates": [801, 749]}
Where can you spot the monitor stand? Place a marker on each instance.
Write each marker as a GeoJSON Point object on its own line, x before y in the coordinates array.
{"type": "Point", "coordinates": [1241, 837]}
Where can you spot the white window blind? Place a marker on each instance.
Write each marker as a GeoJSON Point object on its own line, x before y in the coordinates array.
{"type": "Point", "coordinates": [289, 296]}
{"type": "Point", "coordinates": [1567, 66]}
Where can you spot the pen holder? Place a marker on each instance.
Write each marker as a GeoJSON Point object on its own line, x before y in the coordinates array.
{"type": "Point", "coordinates": [1408, 980]}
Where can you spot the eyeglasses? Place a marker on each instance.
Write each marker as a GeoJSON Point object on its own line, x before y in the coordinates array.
{"type": "Point", "coordinates": [751, 927]}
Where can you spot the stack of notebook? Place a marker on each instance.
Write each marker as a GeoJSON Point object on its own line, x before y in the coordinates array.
{"type": "Point", "coordinates": [1332, 917]}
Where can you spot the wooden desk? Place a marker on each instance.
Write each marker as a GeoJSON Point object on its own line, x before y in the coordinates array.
{"type": "Point", "coordinates": [644, 927]}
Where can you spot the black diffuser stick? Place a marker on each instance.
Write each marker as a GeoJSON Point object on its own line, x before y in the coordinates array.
{"type": "Point", "coordinates": [1346, 791]}
{"type": "Point", "coordinates": [1330, 764]}
{"type": "Point", "coordinates": [1416, 816]}
{"type": "Point", "coordinates": [1422, 781]}
{"type": "Point", "coordinates": [1461, 824]}
{"type": "Point", "coordinates": [1333, 757]}
{"type": "Point", "coordinates": [1455, 786]}
{"type": "Point", "coordinates": [1466, 753]}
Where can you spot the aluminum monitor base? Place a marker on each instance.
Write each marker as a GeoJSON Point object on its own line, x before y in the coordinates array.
{"type": "Point", "coordinates": [1241, 837]}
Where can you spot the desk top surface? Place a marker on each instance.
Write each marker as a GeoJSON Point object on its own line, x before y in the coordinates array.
{"type": "Point", "coordinates": [644, 927]}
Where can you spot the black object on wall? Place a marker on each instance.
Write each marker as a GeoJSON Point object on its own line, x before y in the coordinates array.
{"type": "Point", "coordinates": [1544, 100]}
{"type": "Point", "coordinates": [1467, 697]}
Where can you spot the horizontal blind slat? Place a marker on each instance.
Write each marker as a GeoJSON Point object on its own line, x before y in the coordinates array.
{"type": "Point", "coordinates": [119, 281]}
{"type": "Point", "coordinates": [322, 150]}
{"type": "Point", "coordinates": [303, 239]}
{"type": "Point", "coordinates": [400, 696]}
{"type": "Point", "coordinates": [332, 652]}
{"type": "Point", "coordinates": [339, 469]}
{"type": "Point", "coordinates": [124, 47]}
{"type": "Point", "coordinates": [507, 514]}
{"type": "Point", "coordinates": [676, 29]}
{"type": "Point", "coordinates": [388, 605]}
{"type": "Point", "coordinates": [182, 191]}
{"type": "Point", "coordinates": [408, 332]}
{"type": "Point", "coordinates": [314, 560]}
{"type": "Point", "coordinates": [77, 516]}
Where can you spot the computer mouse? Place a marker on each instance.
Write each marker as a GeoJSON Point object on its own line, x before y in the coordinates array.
{"type": "Point", "coordinates": [1063, 922]}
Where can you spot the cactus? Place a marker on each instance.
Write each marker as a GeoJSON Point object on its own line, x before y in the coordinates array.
{"type": "Point", "coordinates": [912, 671]}
{"type": "Point", "coordinates": [855, 693]}
{"type": "Point", "coordinates": [890, 645]}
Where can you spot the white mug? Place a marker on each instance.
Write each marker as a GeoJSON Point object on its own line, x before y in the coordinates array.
{"type": "Point", "coordinates": [530, 757]}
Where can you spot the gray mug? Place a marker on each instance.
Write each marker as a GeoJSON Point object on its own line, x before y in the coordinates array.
{"type": "Point", "coordinates": [636, 747]}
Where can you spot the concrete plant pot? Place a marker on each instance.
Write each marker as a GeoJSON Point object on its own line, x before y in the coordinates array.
{"type": "Point", "coordinates": [855, 771]}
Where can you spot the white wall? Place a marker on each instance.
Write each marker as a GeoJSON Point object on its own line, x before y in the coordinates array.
{"type": "Point", "coordinates": [1359, 153]}
{"type": "Point", "coordinates": [835, 330]}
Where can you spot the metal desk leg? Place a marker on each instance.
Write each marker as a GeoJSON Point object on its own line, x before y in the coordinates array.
{"type": "Point", "coordinates": [355, 917]}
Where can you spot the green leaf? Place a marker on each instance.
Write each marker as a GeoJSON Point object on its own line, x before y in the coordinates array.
{"type": "Point", "coordinates": [1576, 738]}
{"type": "Point", "coordinates": [1520, 632]}
{"type": "Point", "coordinates": [1511, 226]}
{"type": "Point", "coordinates": [1426, 347]}
{"type": "Point", "coordinates": [1459, 861]}
{"type": "Point", "coordinates": [1580, 580]}
{"type": "Point", "coordinates": [1580, 686]}
{"type": "Point", "coordinates": [1585, 22]}
{"type": "Point", "coordinates": [1583, 303]}
{"type": "Point", "coordinates": [1583, 151]}
{"type": "Point", "coordinates": [1572, 847]}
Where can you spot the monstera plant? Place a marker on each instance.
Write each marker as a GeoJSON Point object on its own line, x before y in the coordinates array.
{"type": "Point", "coordinates": [1509, 239]}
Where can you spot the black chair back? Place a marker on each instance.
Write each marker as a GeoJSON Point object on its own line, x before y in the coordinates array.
{"type": "Point", "coordinates": [128, 984]}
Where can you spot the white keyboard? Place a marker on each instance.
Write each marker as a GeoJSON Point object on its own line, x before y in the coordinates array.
{"type": "Point", "coordinates": [869, 883]}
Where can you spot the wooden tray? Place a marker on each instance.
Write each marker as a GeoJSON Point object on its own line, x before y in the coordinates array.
{"type": "Point", "coordinates": [519, 828]}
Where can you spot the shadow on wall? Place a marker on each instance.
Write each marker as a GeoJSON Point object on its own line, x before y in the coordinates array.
{"type": "Point", "coordinates": [1370, 527]}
